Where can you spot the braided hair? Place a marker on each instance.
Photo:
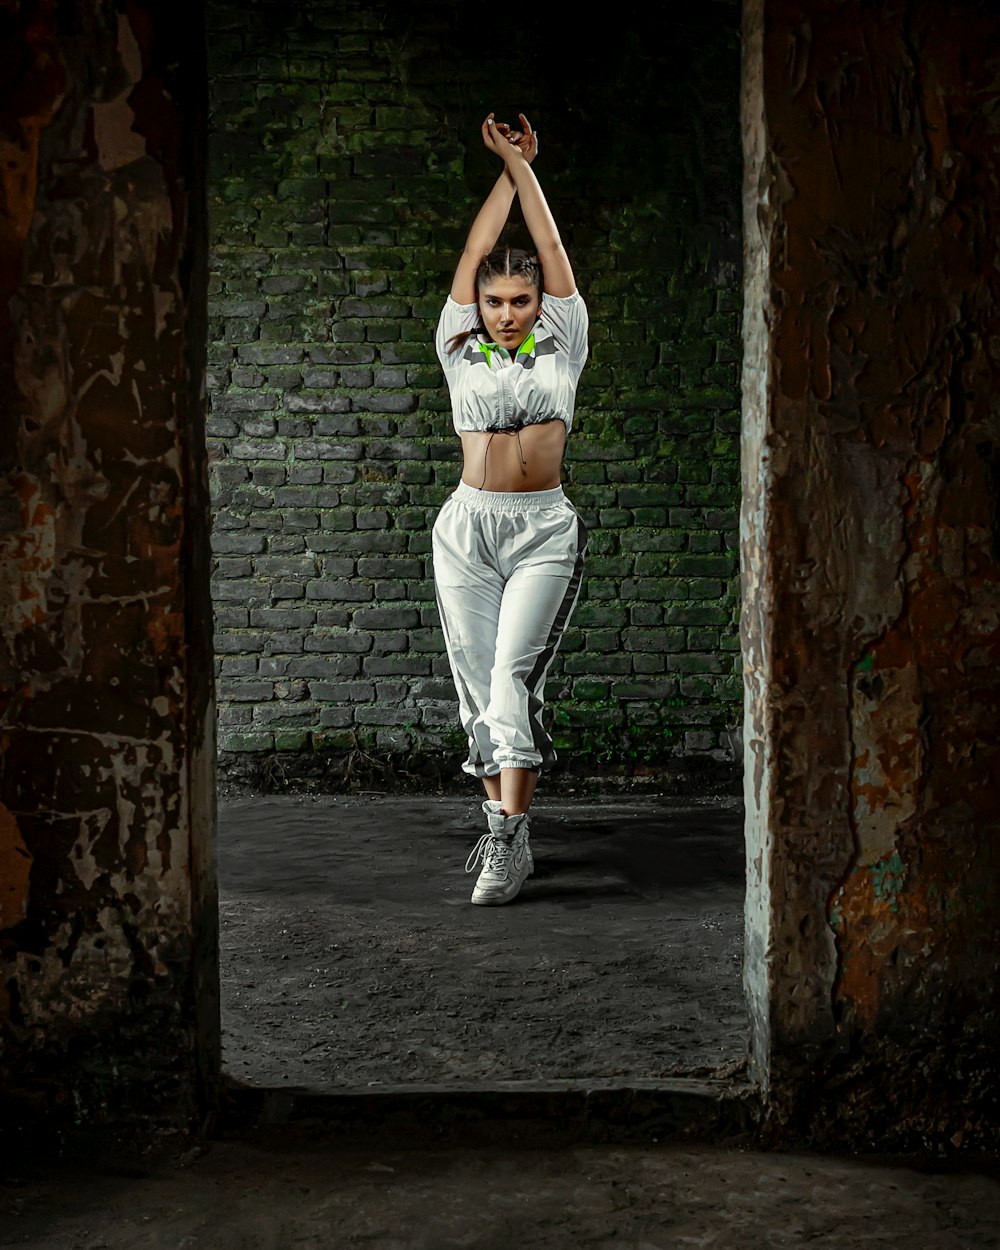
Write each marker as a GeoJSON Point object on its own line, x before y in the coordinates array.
{"type": "Point", "coordinates": [502, 262]}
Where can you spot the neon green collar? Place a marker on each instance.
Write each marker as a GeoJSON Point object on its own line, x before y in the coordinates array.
{"type": "Point", "coordinates": [527, 348]}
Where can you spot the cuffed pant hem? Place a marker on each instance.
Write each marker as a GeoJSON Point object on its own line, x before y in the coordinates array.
{"type": "Point", "coordinates": [518, 761]}
{"type": "Point", "coordinates": [493, 769]}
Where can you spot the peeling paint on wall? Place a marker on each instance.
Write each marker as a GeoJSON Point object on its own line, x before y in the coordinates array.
{"type": "Point", "coordinates": [105, 625]}
{"type": "Point", "coordinates": [870, 553]}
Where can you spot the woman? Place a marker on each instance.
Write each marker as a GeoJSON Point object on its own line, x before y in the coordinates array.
{"type": "Point", "coordinates": [508, 545]}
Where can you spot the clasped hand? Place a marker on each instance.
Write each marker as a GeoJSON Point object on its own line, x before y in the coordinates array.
{"type": "Point", "coordinates": [508, 143]}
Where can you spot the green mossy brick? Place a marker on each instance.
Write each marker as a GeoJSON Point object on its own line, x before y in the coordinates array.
{"type": "Point", "coordinates": [644, 663]}
{"type": "Point", "coordinates": [384, 401]}
{"type": "Point", "coordinates": [413, 519]}
{"type": "Point", "coordinates": [607, 640]}
{"type": "Point", "coordinates": [623, 472]}
{"type": "Point", "coordinates": [407, 225]}
{"type": "Point", "coordinates": [696, 614]}
{"type": "Point", "coordinates": [660, 639]}
{"type": "Point", "coordinates": [645, 541]}
{"type": "Point", "coordinates": [717, 495]}
{"type": "Point", "coordinates": [690, 472]}
{"type": "Point", "coordinates": [720, 325]}
{"type": "Point", "coordinates": [647, 588]}
{"type": "Point", "coordinates": [703, 402]}
{"type": "Point", "coordinates": [597, 589]}
{"type": "Point", "coordinates": [730, 422]}
{"type": "Point", "coordinates": [644, 714]}
{"type": "Point", "coordinates": [382, 331]}
{"type": "Point", "coordinates": [691, 565]}
{"type": "Point", "coordinates": [704, 588]}
{"type": "Point", "coordinates": [592, 717]}
{"type": "Point", "coordinates": [610, 566]}
{"type": "Point", "coordinates": [645, 614]}
{"type": "Point", "coordinates": [423, 376]}
{"type": "Point", "coordinates": [602, 542]}
{"type": "Point", "coordinates": [587, 663]}
{"type": "Point", "coordinates": [694, 663]}
{"type": "Point", "coordinates": [277, 332]}
{"type": "Point", "coordinates": [664, 688]}
{"type": "Point", "coordinates": [653, 517]}
{"type": "Point", "coordinates": [375, 259]}
{"type": "Point", "coordinates": [586, 691]}
{"type": "Point", "coordinates": [596, 450]}
{"type": "Point", "coordinates": [701, 688]}
{"type": "Point", "coordinates": [359, 212]}
{"type": "Point", "coordinates": [721, 374]}
{"type": "Point", "coordinates": [709, 541]}
{"type": "Point", "coordinates": [248, 743]}
{"type": "Point", "coordinates": [333, 283]}
{"type": "Point", "coordinates": [595, 615]}
{"type": "Point", "coordinates": [635, 426]}
{"type": "Point", "coordinates": [237, 330]}
{"type": "Point", "coordinates": [407, 353]}
{"type": "Point", "coordinates": [343, 352]}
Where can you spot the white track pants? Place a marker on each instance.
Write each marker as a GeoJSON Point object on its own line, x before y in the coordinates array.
{"type": "Point", "coordinates": [507, 571]}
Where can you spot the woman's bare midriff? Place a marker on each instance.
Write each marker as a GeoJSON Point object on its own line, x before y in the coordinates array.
{"type": "Point", "coordinates": [540, 447]}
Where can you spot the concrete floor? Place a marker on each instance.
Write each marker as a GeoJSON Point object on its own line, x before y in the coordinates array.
{"type": "Point", "coordinates": [243, 1196]}
{"type": "Point", "coordinates": [352, 959]}
{"type": "Point", "coordinates": [351, 956]}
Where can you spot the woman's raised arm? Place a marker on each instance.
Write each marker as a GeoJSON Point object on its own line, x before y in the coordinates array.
{"type": "Point", "coordinates": [492, 217]}
{"type": "Point", "coordinates": [538, 218]}
{"type": "Point", "coordinates": [483, 235]}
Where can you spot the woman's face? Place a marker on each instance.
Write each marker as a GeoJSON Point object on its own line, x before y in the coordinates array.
{"type": "Point", "coordinates": [509, 308]}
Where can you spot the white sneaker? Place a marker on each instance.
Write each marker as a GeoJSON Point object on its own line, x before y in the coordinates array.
{"type": "Point", "coordinates": [506, 857]}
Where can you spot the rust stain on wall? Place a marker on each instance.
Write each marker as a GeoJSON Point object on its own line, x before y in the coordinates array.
{"type": "Point", "coordinates": [105, 655]}
{"type": "Point", "coordinates": [15, 868]}
{"type": "Point", "coordinates": [878, 523]}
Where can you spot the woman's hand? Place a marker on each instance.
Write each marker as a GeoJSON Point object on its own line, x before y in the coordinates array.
{"type": "Point", "coordinates": [510, 145]}
{"type": "Point", "coordinates": [524, 139]}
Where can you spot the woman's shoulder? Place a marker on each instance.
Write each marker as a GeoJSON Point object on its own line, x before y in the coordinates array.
{"type": "Point", "coordinates": [562, 301]}
{"type": "Point", "coordinates": [456, 320]}
{"type": "Point", "coordinates": [566, 318]}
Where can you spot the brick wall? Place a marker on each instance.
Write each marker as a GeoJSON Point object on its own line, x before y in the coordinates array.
{"type": "Point", "coordinates": [345, 170]}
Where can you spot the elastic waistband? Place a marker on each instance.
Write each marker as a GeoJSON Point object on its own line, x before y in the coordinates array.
{"type": "Point", "coordinates": [508, 500]}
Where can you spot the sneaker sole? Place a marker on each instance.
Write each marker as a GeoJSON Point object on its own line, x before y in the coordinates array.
{"type": "Point", "coordinates": [497, 900]}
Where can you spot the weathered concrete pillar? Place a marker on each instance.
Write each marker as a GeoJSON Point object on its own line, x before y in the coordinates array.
{"type": "Point", "coordinates": [871, 537]}
{"type": "Point", "coordinates": [108, 931]}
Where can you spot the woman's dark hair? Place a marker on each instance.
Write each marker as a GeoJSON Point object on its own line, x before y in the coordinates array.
{"type": "Point", "coordinates": [502, 262]}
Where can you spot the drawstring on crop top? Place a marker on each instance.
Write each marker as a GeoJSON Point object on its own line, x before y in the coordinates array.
{"type": "Point", "coordinates": [496, 428]}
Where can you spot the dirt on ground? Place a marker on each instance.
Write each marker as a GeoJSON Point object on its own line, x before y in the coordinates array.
{"type": "Point", "coordinates": [352, 957]}
{"type": "Point", "coordinates": [237, 1196]}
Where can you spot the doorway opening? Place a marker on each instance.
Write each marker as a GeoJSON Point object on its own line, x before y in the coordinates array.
{"type": "Point", "coordinates": [344, 174]}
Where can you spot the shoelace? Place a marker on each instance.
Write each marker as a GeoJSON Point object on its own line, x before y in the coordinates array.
{"type": "Point", "coordinates": [493, 851]}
